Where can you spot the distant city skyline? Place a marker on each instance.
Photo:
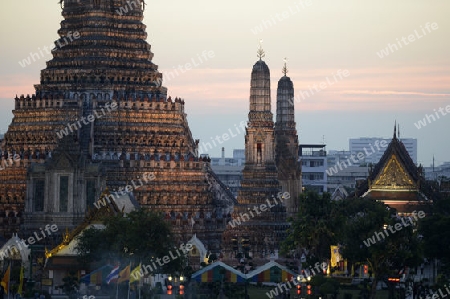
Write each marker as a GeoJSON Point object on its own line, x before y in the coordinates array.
{"type": "Point", "coordinates": [319, 38]}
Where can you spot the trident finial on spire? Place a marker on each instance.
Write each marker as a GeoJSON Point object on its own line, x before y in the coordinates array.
{"type": "Point", "coordinates": [395, 129]}
{"type": "Point", "coordinates": [260, 52]}
{"type": "Point", "coordinates": [285, 70]}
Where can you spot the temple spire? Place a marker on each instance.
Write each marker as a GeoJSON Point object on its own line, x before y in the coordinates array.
{"type": "Point", "coordinates": [260, 52]}
{"type": "Point", "coordinates": [285, 70]}
{"type": "Point", "coordinates": [395, 129]}
{"type": "Point", "coordinates": [286, 143]}
{"type": "Point", "coordinates": [260, 173]}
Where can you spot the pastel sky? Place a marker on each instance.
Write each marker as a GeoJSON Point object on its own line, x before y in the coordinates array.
{"type": "Point", "coordinates": [319, 38]}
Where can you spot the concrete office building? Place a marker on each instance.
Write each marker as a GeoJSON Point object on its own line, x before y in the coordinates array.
{"type": "Point", "coordinates": [370, 147]}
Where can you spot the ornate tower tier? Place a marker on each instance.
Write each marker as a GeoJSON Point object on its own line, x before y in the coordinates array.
{"type": "Point", "coordinates": [286, 143]}
{"type": "Point", "coordinates": [102, 46]}
{"type": "Point", "coordinates": [101, 119]}
{"type": "Point", "coordinates": [285, 106]}
{"type": "Point", "coordinates": [259, 146]}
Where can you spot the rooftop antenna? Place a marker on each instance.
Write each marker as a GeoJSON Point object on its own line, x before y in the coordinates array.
{"type": "Point", "coordinates": [433, 164]}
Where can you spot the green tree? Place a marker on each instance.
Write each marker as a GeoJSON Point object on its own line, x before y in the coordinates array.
{"type": "Point", "coordinates": [360, 219]}
{"type": "Point", "coordinates": [329, 287]}
{"type": "Point", "coordinates": [435, 230]}
{"type": "Point", "coordinates": [312, 228]}
{"type": "Point", "coordinates": [70, 285]}
{"type": "Point", "coordinates": [140, 236]}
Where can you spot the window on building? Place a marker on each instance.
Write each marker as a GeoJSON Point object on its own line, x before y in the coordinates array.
{"type": "Point", "coordinates": [312, 163]}
{"type": "Point", "coordinates": [63, 193]}
{"type": "Point", "coordinates": [313, 176]}
{"type": "Point", "coordinates": [38, 196]}
{"type": "Point", "coordinates": [316, 163]}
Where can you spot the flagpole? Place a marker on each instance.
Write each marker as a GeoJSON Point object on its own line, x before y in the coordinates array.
{"type": "Point", "coordinates": [129, 278]}
{"type": "Point", "coordinates": [19, 289]}
{"type": "Point", "coordinates": [117, 288]}
{"type": "Point", "coordinates": [9, 278]}
{"type": "Point", "coordinates": [139, 287]}
{"type": "Point", "coordinates": [139, 281]}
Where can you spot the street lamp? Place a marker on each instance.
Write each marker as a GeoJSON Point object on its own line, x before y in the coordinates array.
{"type": "Point", "coordinates": [242, 255]}
{"type": "Point", "coordinates": [222, 274]}
{"type": "Point", "coordinates": [181, 290]}
{"type": "Point", "coordinates": [169, 285]}
{"type": "Point", "coordinates": [244, 270]}
{"type": "Point", "coordinates": [234, 241]}
{"type": "Point", "coordinates": [35, 250]}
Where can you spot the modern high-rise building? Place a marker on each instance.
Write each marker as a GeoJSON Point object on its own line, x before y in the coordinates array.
{"type": "Point", "coordinates": [438, 172]}
{"type": "Point", "coordinates": [373, 149]}
{"type": "Point", "coordinates": [237, 160]}
{"type": "Point", "coordinates": [229, 170]}
{"type": "Point", "coordinates": [239, 154]}
{"type": "Point", "coordinates": [348, 178]}
{"type": "Point", "coordinates": [313, 158]}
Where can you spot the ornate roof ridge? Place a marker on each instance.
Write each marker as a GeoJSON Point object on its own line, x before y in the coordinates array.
{"type": "Point", "coordinates": [396, 147]}
{"type": "Point", "coordinates": [92, 215]}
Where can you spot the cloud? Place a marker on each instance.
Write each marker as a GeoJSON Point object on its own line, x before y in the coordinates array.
{"type": "Point", "coordinates": [225, 91]}
{"type": "Point", "coordinates": [391, 92]}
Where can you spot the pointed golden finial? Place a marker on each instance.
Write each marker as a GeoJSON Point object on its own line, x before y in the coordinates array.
{"type": "Point", "coordinates": [395, 129]}
{"type": "Point", "coordinates": [260, 52]}
{"type": "Point", "coordinates": [285, 70]}
{"type": "Point", "coordinates": [66, 238]}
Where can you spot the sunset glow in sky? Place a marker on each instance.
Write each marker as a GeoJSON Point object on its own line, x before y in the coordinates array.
{"type": "Point", "coordinates": [396, 54]}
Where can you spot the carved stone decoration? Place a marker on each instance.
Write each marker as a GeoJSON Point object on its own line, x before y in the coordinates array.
{"type": "Point", "coordinates": [286, 143]}
{"type": "Point", "coordinates": [394, 176]}
{"type": "Point", "coordinates": [265, 230]}
{"type": "Point", "coordinates": [93, 65]}
{"type": "Point", "coordinates": [260, 136]}
{"type": "Point", "coordinates": [396, 181]}
{"type": "Point", "coordinates": [63, 162]}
